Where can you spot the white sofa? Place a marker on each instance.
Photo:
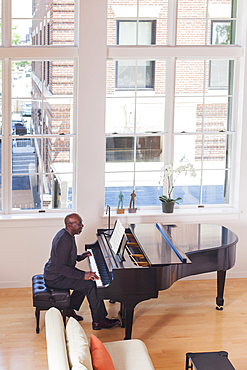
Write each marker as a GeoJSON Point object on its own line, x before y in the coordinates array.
{"type": "Point", "coordinates": [68, 349]}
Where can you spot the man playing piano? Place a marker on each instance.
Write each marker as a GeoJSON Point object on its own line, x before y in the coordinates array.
{"type": "Point", "coordinates": [60, 272]}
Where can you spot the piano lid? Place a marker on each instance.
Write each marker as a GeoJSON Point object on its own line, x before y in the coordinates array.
{"type": "Point", "coordinates": [195, 237]}
{"type": "Point", "coordinates": [185, 238]}
{"type": "Point", "coordinates": [156, 245]}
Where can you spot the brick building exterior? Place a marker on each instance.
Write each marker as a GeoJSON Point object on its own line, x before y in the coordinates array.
{"type": "Point", "coordinates": [195, 22]}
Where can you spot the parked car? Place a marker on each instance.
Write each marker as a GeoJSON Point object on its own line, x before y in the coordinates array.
{"type": "Point", "coordinates": [27, 109]}
{"type": "Point", "coordinates": [18, 127]}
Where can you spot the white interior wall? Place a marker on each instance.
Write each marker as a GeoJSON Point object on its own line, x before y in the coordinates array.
{"type": "Point", "coordinates": [25, 243]}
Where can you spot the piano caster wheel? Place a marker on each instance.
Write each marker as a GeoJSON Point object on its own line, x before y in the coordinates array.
{"type": "Point", "coordinates": [219, 308]}
{"type": "Point", "coordinates": [111, 301]}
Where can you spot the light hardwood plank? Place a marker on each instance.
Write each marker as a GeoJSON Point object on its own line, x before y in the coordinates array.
{"type": "Point", "coordinates": [183, 319]}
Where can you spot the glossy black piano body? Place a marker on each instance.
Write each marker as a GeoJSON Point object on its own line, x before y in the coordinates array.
{"type": "Point", "coordinates": [170, 252]}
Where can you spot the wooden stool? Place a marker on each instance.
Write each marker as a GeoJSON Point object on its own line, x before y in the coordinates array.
{"type": "Point", "coordinates": [45, 298]}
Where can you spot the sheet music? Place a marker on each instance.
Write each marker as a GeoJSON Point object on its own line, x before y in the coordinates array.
{"type": "Point", "coordinates": [117, 236]}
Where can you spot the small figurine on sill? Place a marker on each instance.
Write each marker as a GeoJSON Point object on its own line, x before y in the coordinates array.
{"type": "Point", "coordinates": [120, 208]}
{"type": "Point", "coordinates": [132, 208]}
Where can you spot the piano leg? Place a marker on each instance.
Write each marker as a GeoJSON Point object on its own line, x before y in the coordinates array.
{"type": "Point", "coordinates": [129, 311]}
{"type": "Point", "coordinates": [221, 277]}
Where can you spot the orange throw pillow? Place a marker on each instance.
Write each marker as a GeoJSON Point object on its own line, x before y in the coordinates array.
{"type": "Point", "coordinates": [100, 356]}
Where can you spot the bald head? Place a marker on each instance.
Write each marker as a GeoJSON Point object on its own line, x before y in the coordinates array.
{"type": "Point", "coordinates": [73, 223]}
{"type": "Point", "coordinates": [72, 217]}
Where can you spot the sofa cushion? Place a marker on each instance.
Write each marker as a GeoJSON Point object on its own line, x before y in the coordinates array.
{"type": "Point", "coordinates": [55, 339]}
{"type": "Point", "coordinates": [129, 354]}
{"type": "Point", "coordinates": [77, 346]}
{"type": "Point", "coordinates": [100, 357]}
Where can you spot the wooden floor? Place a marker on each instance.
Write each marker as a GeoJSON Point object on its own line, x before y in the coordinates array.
{"type": "Point", "coordinates": [183, 319]}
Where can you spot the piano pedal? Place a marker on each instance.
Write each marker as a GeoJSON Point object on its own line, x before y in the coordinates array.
{"type": "Point", "coordinates": [219, 308]}
{"type": "Point", "coordinates": [111, 301]}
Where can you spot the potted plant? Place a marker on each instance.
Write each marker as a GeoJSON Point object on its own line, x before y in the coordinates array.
{"type": "Point", "coordinates": [168, 178]}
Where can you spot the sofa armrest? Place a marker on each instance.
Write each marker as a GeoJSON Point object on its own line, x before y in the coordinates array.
{"type": "Point", "coordinates": [55, 340]}
{"type": "Point", "coordinates": [129, 354]}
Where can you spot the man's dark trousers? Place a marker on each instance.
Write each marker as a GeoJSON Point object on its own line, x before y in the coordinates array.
{"type": "Point", "coordinates": [81, 288]}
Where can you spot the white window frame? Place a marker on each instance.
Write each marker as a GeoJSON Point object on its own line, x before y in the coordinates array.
{"type": "Point", "coordinates": [32, 53]}
{"type": "Point", "coordinates": [171, 52]}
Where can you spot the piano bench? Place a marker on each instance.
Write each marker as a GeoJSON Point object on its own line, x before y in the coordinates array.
{"type": "Point", "coordinates": [45, 298]}
{"type": "Point", "coordinates": [208, 361]}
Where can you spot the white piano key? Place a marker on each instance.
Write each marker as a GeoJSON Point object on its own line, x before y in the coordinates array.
{"type": "Point", "coordinates": [94, 268]}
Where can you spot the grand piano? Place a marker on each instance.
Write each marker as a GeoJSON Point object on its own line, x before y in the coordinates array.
{"type": "Point", "coordinates": [151, 257]}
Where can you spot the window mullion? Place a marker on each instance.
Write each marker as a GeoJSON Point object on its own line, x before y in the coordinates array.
{"type": "Point", "coordinates": [6, 145]}
{"type": "Point", "coordinates": [172, 23]}
{"type": "Point", "coordinates": [169, 111]}
{"type": "Point", "coordinates": [6, 23]}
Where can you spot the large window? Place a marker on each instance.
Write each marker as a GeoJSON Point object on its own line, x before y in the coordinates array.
{"type": "Point", "coordinates": [38, 113]}
{"type": "Point", "coordinates": [184, 114]}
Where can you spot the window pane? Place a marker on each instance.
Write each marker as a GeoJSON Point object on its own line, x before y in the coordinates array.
{"type": "Point", "coordinates": [189, 77]}
{"type": "Point", "coordinates": [22, 32]}
{"type": "Point", "coordinates": [25, 187]}
{"type": "Point", "coordinates": [215, 114]}
{"type": "Point", "coordinates": [58, 116]}
{"type": "Point", "coordinates": [147, 191]}
{"type": "Point", "coordinates": [116, 182]}
{"type": "Point", "coordinates": [25, 195]}
{"type": "Point", "coordinates": [220, 9]}
{"type": "Point", "coordinates": [120, 115]}
{"type": "Point", "coordinates": [58, 77]}
{"type": "Point", "coordinates": [150, 114]}
{"type": "Point", "coordinates": [198, 22]}
{"type": "Point", "coordinates": [215, 188]}
{"type": "Point", "coordinates": [216, 149]}
{"type": "Point", "coordinates": [24, 9]}
{"type": "Point", "coordinates": [24, 156]}
{"type": "Point", "coordinates": [149, 149]}
{"type": "Point", "coordinates": [187, 188]}
{"type": "Point", "coordinates": [46, 22]}
{"type": "Point", "coordinates": [220, 32]}
{"type": "Point", "coordinates": [126, 74]}
{"type": "Point", "coordinates": [219, 72]}
{"type": "Point", "coordinates": [18, 125]}
{"type": "Point", "coordinates": [119, 149]}
{"type": "Point", "coordinates": [188, 115]}
{"type": "Point", "coordinates": [187, 150]}
{"type": "Point", "coordinates": [57, 191]}
{"type": "Point", "coordinates": [57, 154]}
{"type": "Point", "coordinates": [55, 113]}
{"type": "Point", "coordinates": [21, 79]}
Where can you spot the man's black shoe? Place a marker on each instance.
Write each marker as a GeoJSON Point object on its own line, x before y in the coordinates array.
{"type": "Point", "coordinates": [71, 313]}
{"type": "Point", "coordinates": [105, 324]}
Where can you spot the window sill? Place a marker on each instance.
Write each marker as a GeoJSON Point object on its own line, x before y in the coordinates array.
{"type": "Point", "coordinates": [43, 219]}
{"type": "Point", "coordinates": [198, 215]}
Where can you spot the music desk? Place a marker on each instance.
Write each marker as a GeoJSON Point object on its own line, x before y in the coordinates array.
{"type": "Point", "coordinates": [208, 361]}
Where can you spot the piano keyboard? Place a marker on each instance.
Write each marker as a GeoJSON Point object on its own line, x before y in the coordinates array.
{"type": "Point", "coordinates": [97, 266]}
